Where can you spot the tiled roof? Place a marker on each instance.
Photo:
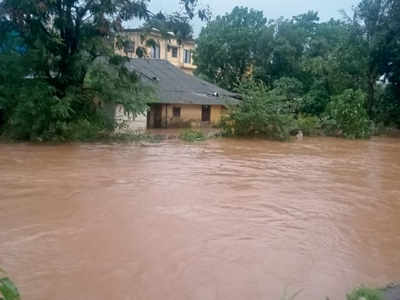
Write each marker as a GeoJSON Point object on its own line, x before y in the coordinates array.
{"type": "Point", "coordinates": [174, 86]}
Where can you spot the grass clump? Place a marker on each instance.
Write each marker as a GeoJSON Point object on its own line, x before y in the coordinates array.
{"type": "Point", "coordinates": [191, 135]}
{"type": "Point", "coordinates": [364, 293]}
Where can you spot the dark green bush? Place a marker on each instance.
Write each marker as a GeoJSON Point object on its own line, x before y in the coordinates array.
{"type": "Point", "coordinates": [346, 115]}
{"type": "Point", "coordinates": [35, 113]}
{"type": "Point", "coordinates": [387, 106]}
{"type": "Point", "coordinates": [261, 113]}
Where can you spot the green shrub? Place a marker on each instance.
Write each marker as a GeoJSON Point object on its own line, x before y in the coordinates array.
{"type": "Point", "coordinates": [8, 290]}
{"type": "Point", "coordinates": [364, 293]}
{"type": "Point", "coordinates": [346, 115]}
{"type": "Point", "coordinates": [315, 101]}
{"type": "Point", "coordinates": [309, 125]}
{"type": "Point", "coordinates": [261, 113]}
{"type": "Point", "coordinates": [191, 135]}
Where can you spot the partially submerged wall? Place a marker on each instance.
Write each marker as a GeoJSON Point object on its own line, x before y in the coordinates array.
{"type": "Point", "coordinates": [191, 115]}
{"type": "Point", "coordinates": [127, 122]}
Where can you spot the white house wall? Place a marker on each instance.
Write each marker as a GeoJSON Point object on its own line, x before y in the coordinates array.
{"type": "Point", "coordinates": [127, 122]}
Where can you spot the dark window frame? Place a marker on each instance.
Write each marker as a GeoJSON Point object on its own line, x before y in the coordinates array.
{"type": "Point", "coordinates": [174, 52]}
{"type": "Point", "coordinates": [176, 112]}
{"type": "Point", "coordinates": [187, 56]}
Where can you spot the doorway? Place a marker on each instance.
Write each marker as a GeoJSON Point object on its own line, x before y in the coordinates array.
{"type": "Point", "coordinates": [205, 113]}
{"type": "Point", "coordinates": [154, 117]}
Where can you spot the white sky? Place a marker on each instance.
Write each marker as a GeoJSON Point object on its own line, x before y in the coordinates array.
{"type": "Point", "coordinates": [272, 9]}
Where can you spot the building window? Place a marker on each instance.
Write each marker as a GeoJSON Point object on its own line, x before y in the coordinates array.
{"type": "Point", "coordinates": [177, 112]}
{"type": "Point", "coordinates": [174, 52]}
{"type": "Point", "coordinates": [187, 56]}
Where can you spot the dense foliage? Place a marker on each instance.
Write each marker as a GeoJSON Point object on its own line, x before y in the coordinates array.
{"type": "Point", "coordinates": [51, 82]}
{"type": "Point", "coordinates": [8, 290]}
{"type": "Point", "coordinates": [322, 70]}
{"type": "Point", "coordinates": [348, 115]}
{"type": "Point", "coordinates": [260, 113]}
{"type": "Point", "coordinates": [225, 46]}
{"type": "Point", "coordinates": [177, 24]}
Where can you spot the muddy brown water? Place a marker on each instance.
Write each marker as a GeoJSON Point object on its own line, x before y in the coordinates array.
{"type": "Point", "coordinates": [223, 219]}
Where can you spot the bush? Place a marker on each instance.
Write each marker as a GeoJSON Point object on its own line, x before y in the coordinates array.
{"type": "Point", "coordinates": [309, 125]}
{"type": "Point", "coordinates": [191, 135]}
{"type": "Point", "coordinates": [346, 115]}
{"type": "Point", "coordinates": [86, 131]}
{"type": "Point", "coordinates": [365, 294]}
{"type": "Point", "coordinates": [8, 290]}
{"type": "Point", "coordinates": [261, 113]}
{"type": "Point", "coordinates": [387, 106]}
{"type": "Point", "coordinates": [315, 101]}
{"type": "Point", "coordinates": [35, 113]}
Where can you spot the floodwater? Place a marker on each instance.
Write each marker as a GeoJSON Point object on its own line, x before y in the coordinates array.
{"type": "Point", "coordinates": [223, 219]}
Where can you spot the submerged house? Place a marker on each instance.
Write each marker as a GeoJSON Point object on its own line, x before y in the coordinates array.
{"type": "Point", "coordinates": [182, 100]}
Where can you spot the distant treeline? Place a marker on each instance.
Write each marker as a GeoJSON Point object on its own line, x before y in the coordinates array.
{"type": "Point", "coordinates": [339, 71]}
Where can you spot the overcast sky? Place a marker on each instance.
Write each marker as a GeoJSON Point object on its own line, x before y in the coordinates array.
{"type": "Point", "coordinates": [272, 9]}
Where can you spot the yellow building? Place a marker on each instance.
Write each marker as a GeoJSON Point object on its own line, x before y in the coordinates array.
{"type": "Point", "coordinates": [141, 43]}
{"type": "Point", "coordinates": [182, 100]}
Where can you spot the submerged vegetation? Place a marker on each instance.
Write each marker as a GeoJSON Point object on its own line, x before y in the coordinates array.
{"type": "Point", "coordinates": [260, 113]}
{"type": "Point", "coordinates": [365, 293]}
{"type": "Point", "coordinates": [8, 290]}
{"type": "Point", "coordinates": [192, 135]}
{"type": "Point", "coordinates": [271, 113]}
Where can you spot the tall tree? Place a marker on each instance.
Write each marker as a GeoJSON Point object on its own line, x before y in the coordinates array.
{"type": "Point", "coordinates": [226, 46]}
{"type": "Point", "coordinates": [176, 23]}
{"type": "Point", "coordinates": [372, 22]}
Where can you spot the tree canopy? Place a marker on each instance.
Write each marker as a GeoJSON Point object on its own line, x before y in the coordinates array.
{"type": "Point", "coordinates": [48, 50]}
{"type": "Point", "coordinates": [321, 61]}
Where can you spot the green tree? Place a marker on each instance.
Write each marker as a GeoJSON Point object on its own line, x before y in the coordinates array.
{"type": "Point", "coordinates": [373, 21]}
{"type": "Point", "coordinates": [333, 61]}
{"type": "Point", "coordinates": [46, 89]}
{"type": "Point", "coordinates": [292, 39]}
{"type": "Point", "coordinates": [226, 46]}
{"type": "Point", "coordinates": [176, 23]}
